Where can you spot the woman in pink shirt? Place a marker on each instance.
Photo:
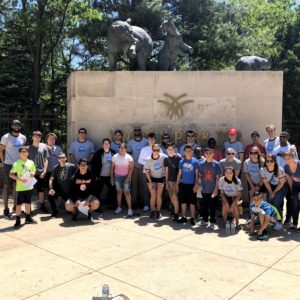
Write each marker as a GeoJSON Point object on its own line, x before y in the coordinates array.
{"type": "Point", "coordinates": [121, 171]}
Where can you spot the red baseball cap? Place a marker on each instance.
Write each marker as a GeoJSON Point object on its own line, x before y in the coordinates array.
{"type": "Point", "coordinates": [233, 131]}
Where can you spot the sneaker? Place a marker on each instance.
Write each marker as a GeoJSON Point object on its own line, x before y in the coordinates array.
{"type": "Point", "coordinates": [29, 220]}
{"type": "Point", "coordinates": [6, 213]}
{"type": "Point", "coordinates": [294, 228]}
{"type": "Point", "coordinates": [287, 222]}
{"type": "Point", "coordinates": [175, 217]}
{"type": "Point", "coordinates": [118, 210]}
{"type": "Point", "coordinates": [130, 212]}
{"type": "Point", "coordinates": [192, 221]}
{"type": "Point", "coordinates": [202, 223]}
{"type": "Point", "coordinates": [262, 237]}
{"type": "Point", "coordinates": [146, 208]}
{"type": "Point", "coordinates": [43, 208]}
{"type": "Point", "coordinates": [18, 223]}
{"type": "Point", "coordinates": [54, 213]}
{"type": "Point", "coordinates": [152, 214]}
{"type": "Point", "coordinates": [182, 220]}
{"type": "Point", "coordinates": [277, 226]}
{"type": "Point", "coordinates": [212, 226]}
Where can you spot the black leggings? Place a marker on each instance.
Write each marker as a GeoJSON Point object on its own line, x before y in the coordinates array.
{"type": "Point", "coordinates": [111, 194]}
{"type": "Point", "coordinates": [209, 207]}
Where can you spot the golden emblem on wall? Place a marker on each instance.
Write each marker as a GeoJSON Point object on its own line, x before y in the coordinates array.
{"type": "Point", "coordinates": [175, 108]}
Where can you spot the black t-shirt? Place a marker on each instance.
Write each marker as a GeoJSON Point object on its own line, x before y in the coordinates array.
{"type": "Point", "coordinates": [82, 186]}
{"type": "Point", "coordinates": [172, 164]}
{"type": "Point", "coordinates": [63, 175]}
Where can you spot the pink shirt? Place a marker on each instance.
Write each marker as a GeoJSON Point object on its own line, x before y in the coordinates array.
{"type": "Point", "coordinates": [122, 163]}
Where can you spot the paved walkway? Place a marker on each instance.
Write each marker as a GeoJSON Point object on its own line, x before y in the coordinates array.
{"type": "Point", "coordinates": [143, 259]}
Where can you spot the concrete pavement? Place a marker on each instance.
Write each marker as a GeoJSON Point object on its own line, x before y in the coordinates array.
{"type": "Point", "coordinates": [143, 259]}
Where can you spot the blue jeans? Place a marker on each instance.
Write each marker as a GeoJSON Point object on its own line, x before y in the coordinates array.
{"type": "Point", "coordinates": [295, 203]}
{"type": "Point", "coordinates": [277, 201]}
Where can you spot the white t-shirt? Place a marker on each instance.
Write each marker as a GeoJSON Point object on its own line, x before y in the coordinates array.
{"type": "Point", "coordinates": [122, 163]}
{"type": "Point", "coordinates": [12, 145]}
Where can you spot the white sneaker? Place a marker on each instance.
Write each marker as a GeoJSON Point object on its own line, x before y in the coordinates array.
{"type": "Point", "coordinates": [130, 212]}
{"type": "Point", "coordinates": [202, 223]}
{"type": "Point", "coordinates": [118, 210]}
{"type": "Point", "coordinates": [146, 208]}
{"type": "Point", "coordinates": [278, 226]}
{"type": "Point", "coordinates": [212, 226]}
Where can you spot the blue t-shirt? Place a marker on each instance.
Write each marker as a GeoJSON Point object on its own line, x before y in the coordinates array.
{"type": "Point", "coordinates": [291, 174]}
{"type": "Point", "coordinates": [188, 168]}
{"type": "Point", "coordinates": [208, 174]}
{"type": "Point", "coordinates": [265, 208]}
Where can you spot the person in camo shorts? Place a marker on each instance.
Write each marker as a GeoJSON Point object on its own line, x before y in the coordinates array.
{"type": "Point", "coordinates": [10, 143]}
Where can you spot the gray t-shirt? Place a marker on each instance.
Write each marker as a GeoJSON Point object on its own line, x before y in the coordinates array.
{"type": "Point", "coordinates": [230, 189]}
{"type": "Point", "coordinates": [253, 170]}
{"type": "Point", "coordinates": [235, 164]}
{"type": "Point", "coordinates": [156, 166]}
{"type": "Point", "coordinates": [52, 160]}
{"type": "Point", "coordinates": [12, 145]}
{"type": "Point", "coordinates": [134, 148]}
{"type": "Point", "coordinates": [237, 146]}
{"type": "Point", "coordinates": [81, 149]}
{"type": "Point", "coordinates": [38, 155]}
{"type": "Point", "coordinates": [63, 175]}
{"type": "Point", "coordinates": [106, 164]}
{"type": "Point", "coordinates": [274, 180]}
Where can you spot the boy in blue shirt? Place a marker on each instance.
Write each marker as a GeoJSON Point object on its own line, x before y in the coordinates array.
{"type": "Point", "coordinates": [267, 214]}
{"type": "Point", "coordinates": [187, 184]}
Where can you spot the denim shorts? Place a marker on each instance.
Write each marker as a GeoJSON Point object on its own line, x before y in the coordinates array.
{"type": "Point", "coordinates": [120, 183]}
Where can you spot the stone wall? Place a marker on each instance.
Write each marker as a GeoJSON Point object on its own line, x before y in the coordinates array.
{"type": "Point", "coordinates": [173, 102]}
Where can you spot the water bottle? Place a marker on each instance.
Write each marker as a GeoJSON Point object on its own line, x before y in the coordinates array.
{"type": "Point", "coordinates": [232, 228]}
{"type": "Point", "coordinates": [227, 226]}
{"type": "Point", "coordinates": [105, 291]}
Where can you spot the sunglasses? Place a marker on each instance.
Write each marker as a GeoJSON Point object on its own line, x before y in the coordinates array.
{"type": "Point", "coordinates": [62, 157]}
{"type": "Point", "coordinates": [269, 161]}
{"type": "Point", "coordinates": [137, 130]}
{"type": "Point", "coordinates": [230, 153]}
{"type": "Point", "coordinates": [253, 153]}
{"type": "Point", "coordinates": [283, 137]}
{"type": "Point", "coordinates": [155, 150]}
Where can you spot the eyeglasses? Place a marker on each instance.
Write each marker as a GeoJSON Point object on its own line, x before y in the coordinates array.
{"type": "Point", "coordinates": [62, 157]}
{"type": "Point", "coordinates": [230, 153]}
{"type": "Point", "coordinates": [269, 161]}
{"type": "Point", "coordinates": [155, 150]}
{"type": "Point", "coordinates": [253, 153]}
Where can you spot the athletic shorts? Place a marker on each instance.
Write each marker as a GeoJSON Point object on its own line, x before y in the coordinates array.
{"type": "Point", "coordinates": [24, 197]}
{"type": "Point", "coordinates": [94, 198]}
{"type": "Point", "coordinates": [158, 180]}
{"type": "Point", "coordinates": [6, 179]}
{"type": "Point", "coordinates": [120, 183]}
{"type": "Point", "coordinates": [186, 193]}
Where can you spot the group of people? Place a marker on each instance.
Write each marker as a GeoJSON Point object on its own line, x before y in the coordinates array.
{"type": "Point", "coordinates": [143, 172]}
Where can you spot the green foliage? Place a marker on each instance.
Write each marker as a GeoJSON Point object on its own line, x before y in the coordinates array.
{"type": "Point", "coordinates": [42, 41]}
